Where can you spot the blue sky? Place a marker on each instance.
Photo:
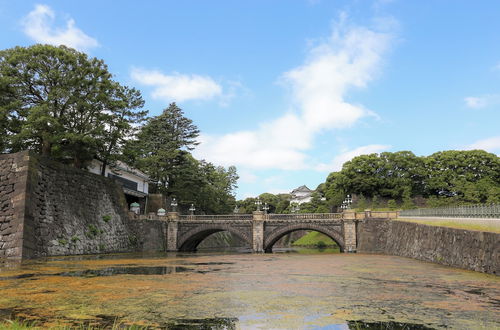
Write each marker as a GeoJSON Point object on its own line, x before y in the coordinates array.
{"type": "Point", "coordinates": [289, 90]}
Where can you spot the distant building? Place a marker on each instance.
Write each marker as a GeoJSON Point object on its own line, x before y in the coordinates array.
{"type": "Point", "coordinates": [134, 182]}
{"type": "Point", "coordinates": [301, 195]}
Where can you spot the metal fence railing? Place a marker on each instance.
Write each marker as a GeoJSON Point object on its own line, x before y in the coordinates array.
{"type": "Point", "coordinates": [465, 211]}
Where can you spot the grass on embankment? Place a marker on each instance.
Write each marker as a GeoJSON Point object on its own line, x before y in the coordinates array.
{"type": "Point", "coordinates": [494, 228]}
{"type": "Point", "coordinates": [314, 239]}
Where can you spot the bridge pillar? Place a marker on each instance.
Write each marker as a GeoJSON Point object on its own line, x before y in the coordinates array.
{"type": "Point", "coordinates": [258, 231]}
{"type": "Point", "coordinates": [172, 228]}
{"type": "Point", "coordinates": [349, 223]}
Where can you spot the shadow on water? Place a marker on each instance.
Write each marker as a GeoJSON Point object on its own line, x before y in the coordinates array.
{"type": "Point", "coordinates": [111, 271]}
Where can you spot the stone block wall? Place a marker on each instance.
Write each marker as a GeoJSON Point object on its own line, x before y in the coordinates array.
{"type": "Point", "coordinates": [467, 249]}
{"type": "Point", "coordinates": [47, 209]}
{"type": "Point", "coordinates": [148, 235]}
{"type": "Point", "coordinates": [13, 180]}
{"type": "Point", "coordinates": [372, 235]}
{"type": "Point", "coordinates": [74, 212]}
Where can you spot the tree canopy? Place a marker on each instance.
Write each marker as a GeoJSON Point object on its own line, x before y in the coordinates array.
{"type": "Point", "coordinates": [445, 177]}
{"type": "Point", "coordinates": [61, 103]}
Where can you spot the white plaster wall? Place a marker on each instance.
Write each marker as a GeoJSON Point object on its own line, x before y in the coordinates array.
{"type": "Point", "coordinates": [142, 185]}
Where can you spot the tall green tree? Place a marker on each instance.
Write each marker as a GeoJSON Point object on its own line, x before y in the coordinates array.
{"type": "Point", "coordinates": [217, 194]}
{"type": "Point", "coordinates": [160, 146]}
{"type": "Point", "coordinates": [59, 102]}
{"type": "Point", "coordinates": [120, 124]}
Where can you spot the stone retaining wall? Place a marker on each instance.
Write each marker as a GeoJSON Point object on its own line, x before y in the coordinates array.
{"type": "Point", "coordinates": [47, 209]}
{"type": "Point", "coordinates": [13, 180]}
{"type": "Point", "coordinates": [473, 250]}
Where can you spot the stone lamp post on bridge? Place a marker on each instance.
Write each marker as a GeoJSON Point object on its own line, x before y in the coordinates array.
{"type": "Point", "coordinates": [258, 202]}
{"type": "Point", "coordinates": [173, 204]}
{"type": "Point", "coordinates": [191, 211]}
{"type": "Point", "coordinates": [265, 208]}
{"type": "Point", "coordinates": [346, 204]}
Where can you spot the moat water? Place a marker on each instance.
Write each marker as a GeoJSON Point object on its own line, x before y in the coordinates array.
{"type": "Point", "coordinates": [314, 290]}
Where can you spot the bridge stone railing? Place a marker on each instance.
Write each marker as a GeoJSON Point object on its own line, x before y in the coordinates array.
{"type": "Point", "coordinates": [464, 211]}
{"type": "Point", "coordinates": [260, 215]}
{"type": "Point", "coordinates": [217, 217]}
{"type": "Point", "coordinates": [305, 216]}
{"type": "Point", "coordinates": [300, 216]}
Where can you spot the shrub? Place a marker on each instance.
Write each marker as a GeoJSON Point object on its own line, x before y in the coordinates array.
{"type": "Point", "coordinates": [321, 245]}
{"type": "Point", "coordinates": [133, 240]}
{"type": "Point", "coordinates": [106, 218]}
{"type": "Point", "coordinates": [92, 231]}
{"type": "Point", "coordinates": [391, 203]}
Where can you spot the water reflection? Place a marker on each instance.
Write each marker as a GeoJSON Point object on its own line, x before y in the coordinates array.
{"type": "Point", "coordinates": [111, 271]}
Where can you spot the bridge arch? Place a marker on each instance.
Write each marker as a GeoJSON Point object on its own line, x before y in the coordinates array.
{"type": "Point", "coordinates": [190, 240]}
{"type": "Point", "coordinates": [274, 236]}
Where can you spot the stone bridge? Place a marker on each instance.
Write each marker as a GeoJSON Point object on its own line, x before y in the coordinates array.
{"type": "Point", "coordinates": [259, 230]}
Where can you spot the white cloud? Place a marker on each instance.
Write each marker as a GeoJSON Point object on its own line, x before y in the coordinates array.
{"type": "Point", "coordinates": [261, 149]}
{"type": "Point", "coordinates": [491, 144]}
{"type": "Point", "coordinates": [247, 176]}
{"type": "Point", "coordinates": [38, 25]}
{"type": "Point", "coordinates": [349, 58]}
{"type": "Point", "coordinates": [475, 102]}
{"type": "Point", "coordinates": [338, 161]}
{"type": "Point", "coordinates": [178, 87]}
{"type": "Point", "coordinates": [478, 102]}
